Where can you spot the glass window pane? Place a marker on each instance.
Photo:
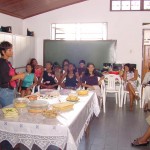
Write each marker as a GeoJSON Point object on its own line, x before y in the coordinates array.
{"type": "Point", "coordinates": [83, 31]}
{"type": "Point", "coordinates": [125, 5]}
{"type": "Point", "coordinates": [146, 4]}
{"type": "Point", "coordinates": [116, 5]}
{"type": "Point", "coordinates": [135, 5]}
{"type": "Point", "coordinates": [91, 28]}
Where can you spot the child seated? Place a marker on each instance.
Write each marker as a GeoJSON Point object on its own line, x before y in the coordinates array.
{"type": "Point", "coordinates": [30, 80]}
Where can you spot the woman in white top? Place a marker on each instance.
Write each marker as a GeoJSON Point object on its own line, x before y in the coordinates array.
{"type": "Point", "coordinates": [146, 86]}
{"type": "Point", "coordinates": [130, 76]}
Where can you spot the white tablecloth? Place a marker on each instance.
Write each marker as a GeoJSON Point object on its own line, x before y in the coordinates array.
{"type": "Point", "coordinates": [68, 128]}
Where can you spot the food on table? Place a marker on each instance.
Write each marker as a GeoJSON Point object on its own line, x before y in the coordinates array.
{"type": "Point", "coordinates": [49, 94]}
{"type": "Point", "coordinates": [35, 110]}
{"type": "Point", "coordinates": [52, 113]}
{"type": "Point", "coordinates": [32, 97]}
{"type": "Point", "coordinates": [20, 102]}
{"type": "Point", "coordinates": [72, 97]}
{"type": "Point", "coordinates": [10, 112]}
{"type": "Point", "coordinates": [53, 93]}
{"type": "Point", "coordinates": [43, 91]}
{"type": "Point", "coordinates": [82, 92]}
{"type": "Point", "coordinates": [37, 106]}
{"type": "Point", "coordinates": [64, 106]}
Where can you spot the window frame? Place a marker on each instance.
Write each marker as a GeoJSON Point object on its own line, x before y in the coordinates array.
{"type": "Point", "coordinates": [141, 6]}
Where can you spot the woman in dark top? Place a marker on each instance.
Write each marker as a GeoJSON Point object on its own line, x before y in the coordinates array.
{"type": "Point", "coordinates": [71, 78]}
{"type": "Point", "coordinates": [92, 79]}
{"type": "Point", "coordinates": [49, 81]}
{"type": "Point", "coordinates": [8, 76]}
{"type": "Point", "coordinates": [81, 69]}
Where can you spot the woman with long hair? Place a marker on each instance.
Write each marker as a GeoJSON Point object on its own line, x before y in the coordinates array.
{"type": "Point", "coordinates": [70, 78]}
{"type": "Point", "coordinates": [28, 82]}
{"type": "Point", "coordinates": [91, 79]}
{"type": "Point", "coordinates": [130, 76]}
{"type": "Point", "coordinates": [38, 69]}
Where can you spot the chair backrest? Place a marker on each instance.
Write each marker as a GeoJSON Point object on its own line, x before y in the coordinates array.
{"type": "Point", "coordinates": [112, 80]}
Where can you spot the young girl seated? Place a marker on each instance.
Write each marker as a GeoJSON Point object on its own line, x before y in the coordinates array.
{"type": "Point", "coordinates": [49, 81]}
{"type": "Point", "coordinates": [91, 80]}
{"type": "Point", "coordinates": [71, 78]}
{"type": "Point", "coordinates": [28, 82]}
{"type": "Point", "coordinates": [38, 69]}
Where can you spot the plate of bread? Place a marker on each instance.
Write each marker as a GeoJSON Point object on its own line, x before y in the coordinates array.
{"type": "Point", "coordinates": [82, 92]}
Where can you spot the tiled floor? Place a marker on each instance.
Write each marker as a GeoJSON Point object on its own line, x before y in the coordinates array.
{"type": "Point", "coordinates": [116, 129]}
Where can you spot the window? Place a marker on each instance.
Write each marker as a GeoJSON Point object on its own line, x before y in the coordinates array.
{"type": "Point", "coordinates": [79, 31]}
{"type": "Point", "coordinates": [130, 5]}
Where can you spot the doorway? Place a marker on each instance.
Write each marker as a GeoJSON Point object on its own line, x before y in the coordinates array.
{"type": "Point", "coordinates": [146, 52]}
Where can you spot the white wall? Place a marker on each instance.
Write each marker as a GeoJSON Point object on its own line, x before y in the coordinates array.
{"type": "Point", "coordinates": [16, 23]}
{"type": "Point", "coordinates": [125, 27]}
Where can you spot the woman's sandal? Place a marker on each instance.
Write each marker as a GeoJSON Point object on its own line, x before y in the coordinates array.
{"type": "Point", "coordinates": [136, 143]}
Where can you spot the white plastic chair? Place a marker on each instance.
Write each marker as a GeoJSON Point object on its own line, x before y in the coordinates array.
{"type": "Point", "coordinates": [103, 93]}
{"type": "Point", "coordinates": [144, 90]}
{"type": "Point", "coordinates": [114, 85]}
{"type": "Point", "coordinates": [125, 92]}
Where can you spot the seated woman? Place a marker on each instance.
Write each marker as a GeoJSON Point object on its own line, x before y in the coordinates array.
{"type": "Point", "coordinates": [38, 69]}
{"type": "Point", "coordinates": [91, 79]}
{"type": "Point", "coordinates": [146, 86]}
{"type": "Point", "coordinates": [130, 76]}
{"type": "Point", "coordinates": [71, 78]}
{"type": "Point", "coordinates": [30, 80]}
{"type": "Point", "coordinates": [57, 71]}
{"type": "Point", "coordinates": [81, 69]}
{"type": "Point", "coordinates": [65, 65]}
{"type": "Point", "coordinates": [49, 81]}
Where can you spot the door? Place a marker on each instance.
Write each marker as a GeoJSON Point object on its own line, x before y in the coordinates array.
{"type": "Point", "coordinates": [146, 52]}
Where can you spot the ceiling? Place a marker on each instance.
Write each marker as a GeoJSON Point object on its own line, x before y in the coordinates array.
{"type": "Point", "coordinates": [27, 8]}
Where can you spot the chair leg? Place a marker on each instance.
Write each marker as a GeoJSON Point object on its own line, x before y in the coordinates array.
{"type": "Point", "coordinates": [119, 98]}
{"type": "Point", "coordinates": [104, 104]}
{"type": "Point", "coordinates": [116, 95]}
{"type": "Point", "coordinates": [136, 102]}
{"type": "Point", "coordinates": [125, 98]}
{"type": "Point", "coordinates": [121, 101]}
{"type": "Point", "coordinates": [140, 101]}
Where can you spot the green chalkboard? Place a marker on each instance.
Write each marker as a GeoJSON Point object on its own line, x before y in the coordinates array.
{"type": "Point", "coordinates": [97, 52]}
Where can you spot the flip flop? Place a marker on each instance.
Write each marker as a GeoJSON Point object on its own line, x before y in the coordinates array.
{"type": "Point", "coordinates": [136, 143]}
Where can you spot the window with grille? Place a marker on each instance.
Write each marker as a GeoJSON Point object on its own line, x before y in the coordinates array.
{"type": "Point", "coordinates": [130, 5]}
{"type": "Point", "coordinates": [79, 31]}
